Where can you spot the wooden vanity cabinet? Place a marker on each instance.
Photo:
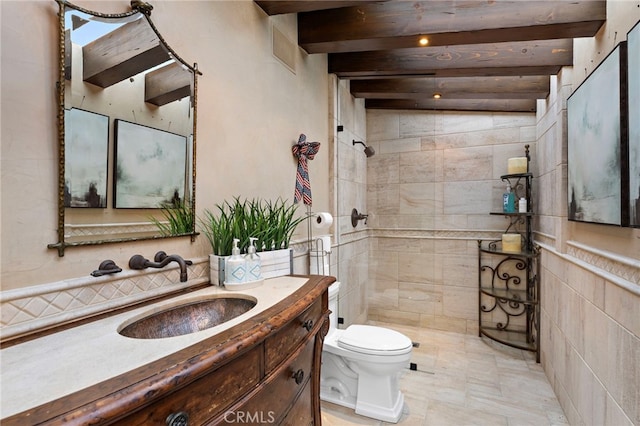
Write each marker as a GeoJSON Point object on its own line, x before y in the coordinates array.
{"type": "Point", "coordinates": [263, 371]}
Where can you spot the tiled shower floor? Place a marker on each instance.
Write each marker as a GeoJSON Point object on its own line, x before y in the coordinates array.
{"type": "Point", "coordinates": [464, 380]}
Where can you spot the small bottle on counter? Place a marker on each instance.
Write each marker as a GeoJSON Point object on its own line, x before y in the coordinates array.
{"type": "Point", "coordinates": [253, 262]}
{"type": "Point", "coordinates": [522, 205]}
{"type": "Point", "coordinates": [235, 268]}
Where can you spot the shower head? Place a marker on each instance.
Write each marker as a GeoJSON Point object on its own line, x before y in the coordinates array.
{"type": "Point", "coordinates": [368, 150]}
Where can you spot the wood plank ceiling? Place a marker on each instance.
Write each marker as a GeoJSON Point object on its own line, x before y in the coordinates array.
{"type": "Point", "coordinates": [490, 55]}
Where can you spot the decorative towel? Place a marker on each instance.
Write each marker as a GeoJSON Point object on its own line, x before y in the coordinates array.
{"type": "Point", "coordinates": [304, 151]}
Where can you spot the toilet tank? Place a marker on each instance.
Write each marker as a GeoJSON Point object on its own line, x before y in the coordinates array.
{"type": "Point", "coordinates": [334, 290]}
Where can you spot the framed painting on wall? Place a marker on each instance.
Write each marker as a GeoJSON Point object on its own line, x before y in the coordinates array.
{"type": "Point", "coordinates": [150, 166]}
{"type": "Point", "coordinates": [597, 141]}
{"type": "Point", "coordinates": [86, 156]}
{"type": "Point", "coordinates": [633, 72]}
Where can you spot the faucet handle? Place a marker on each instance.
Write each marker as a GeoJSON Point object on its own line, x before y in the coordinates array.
{"type": "Point", "coordinates": [138, 261]}
{"type": "Point", "coordinates": [161, 255]}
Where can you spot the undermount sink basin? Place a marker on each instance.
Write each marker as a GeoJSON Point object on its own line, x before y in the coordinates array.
{"type": "Point", "coordinates": [188, 318]}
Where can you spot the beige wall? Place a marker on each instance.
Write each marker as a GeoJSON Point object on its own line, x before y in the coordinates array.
{"type": "Point", "coordinates": [590, 289]}
{"type": "Point", "coordinates": [251, 109]}
{"type": "Point", "coordinates": [434, 178]}
{"type": "Point", "coordinates": [431, 187]}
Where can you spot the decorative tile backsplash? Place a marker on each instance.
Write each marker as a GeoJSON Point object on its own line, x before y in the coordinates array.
{"type": "Point", "coordinates": [39, 307]}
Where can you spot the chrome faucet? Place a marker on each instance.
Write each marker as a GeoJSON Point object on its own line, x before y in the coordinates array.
{"type": "Point", "coordinates": [161, 259]}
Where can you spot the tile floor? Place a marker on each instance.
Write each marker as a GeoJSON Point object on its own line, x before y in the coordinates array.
{"type": "Point", "coordinates": [464, 380]}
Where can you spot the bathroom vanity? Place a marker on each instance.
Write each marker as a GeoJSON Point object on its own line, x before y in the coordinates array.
{"type": "Point", "coordinates": [261, 367]}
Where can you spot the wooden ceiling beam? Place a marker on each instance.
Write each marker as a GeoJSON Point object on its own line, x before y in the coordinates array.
{"type": "Point", "coordinates": [122, 53]}
{"type": "Point", "coordinates": [495, 105]}
{"type": "Point", "coordinates": [400, 24]}
{"type": "Point", "coordinates": [501, 87]}
{"type": "Point", "coordinates": [546, 56]}
{"type": "Point", "coordinates": [281, 7]}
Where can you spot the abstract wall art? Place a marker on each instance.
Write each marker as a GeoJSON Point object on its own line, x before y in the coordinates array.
{"type": "Point", "coordinates": [86, 154]}
{"type": "Point", "coordinates": [597, 139]}
{"type": "Point", "coordinates": [150, 166]}
{"type": "Point", "coordinates": [633, 72]}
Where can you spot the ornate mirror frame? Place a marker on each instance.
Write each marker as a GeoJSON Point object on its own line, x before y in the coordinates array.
{"type": "Point", "coordinates": [177, 84]}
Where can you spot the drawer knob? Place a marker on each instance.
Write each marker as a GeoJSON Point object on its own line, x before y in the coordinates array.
{"type": "Point", "coordinates": [308, 324]}
{"type": "Point", "coordinates": [178, 419]}
{"type": "Point", "coordinates": [298, 376]}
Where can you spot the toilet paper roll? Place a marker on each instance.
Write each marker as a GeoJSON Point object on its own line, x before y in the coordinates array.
{"type": "Point", "coordinates": [323, 220]}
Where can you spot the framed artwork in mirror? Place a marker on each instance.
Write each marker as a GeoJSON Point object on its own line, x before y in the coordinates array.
{"type": "Point", "coordinates": [86, 145]}
{"type": "Point", "coordinates": [597, 140]}
{"type": "Point", "coordinates": [150, 166]}
{"type": "Point", "coordinates": [633, 71]}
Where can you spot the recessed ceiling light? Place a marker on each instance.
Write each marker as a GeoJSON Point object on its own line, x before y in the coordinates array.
{"type": "Point", "coordinates": [423, 41]}
{"type": "Point", "coordinates": [437, 96]}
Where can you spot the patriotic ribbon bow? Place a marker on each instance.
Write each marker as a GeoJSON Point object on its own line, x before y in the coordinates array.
{"type": "Point", "coordinates": [303, 151]}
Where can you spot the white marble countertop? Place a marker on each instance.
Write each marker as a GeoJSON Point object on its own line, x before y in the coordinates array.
{"type": "Point", "coordinates": [52, 366]}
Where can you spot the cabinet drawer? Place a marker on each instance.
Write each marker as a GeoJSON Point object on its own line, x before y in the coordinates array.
{"type": "Point", "coordinates": [207, 396]}
{"type": "Point", "coordinates": [272, 402]}
{"type": "Point", "coordinates": [281, 344]}
{"type": "Point", "coordinates": [302, 411]}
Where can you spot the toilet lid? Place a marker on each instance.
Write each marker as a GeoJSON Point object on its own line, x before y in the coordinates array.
{"type": "Point", "coordinates": [368, 339]}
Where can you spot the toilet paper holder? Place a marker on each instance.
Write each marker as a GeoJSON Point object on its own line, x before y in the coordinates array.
{"type": "Point", "coordinates": [355, 217]}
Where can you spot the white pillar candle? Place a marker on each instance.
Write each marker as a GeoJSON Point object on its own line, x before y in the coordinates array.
{"type": "Point", "coordinates": [517, 165]}
{"type": "Point", "coordinates": [511, 243]}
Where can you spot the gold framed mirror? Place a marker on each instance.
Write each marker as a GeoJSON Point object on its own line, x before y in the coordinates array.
{"type": "Point", "coordinates": [127, 108]}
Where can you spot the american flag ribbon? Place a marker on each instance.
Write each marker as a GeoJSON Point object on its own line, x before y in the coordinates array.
{"type": "Point", "coordinates": [303, 151]}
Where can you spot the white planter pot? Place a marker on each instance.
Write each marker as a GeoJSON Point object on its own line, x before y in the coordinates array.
{"type": "Point", "coordinates": [273, 263]}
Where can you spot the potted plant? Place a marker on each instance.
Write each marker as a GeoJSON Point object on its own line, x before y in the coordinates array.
{"type": "Point", "coordinates": [177, 219]}
{"type": "Point", "coordinates": [271, 222]}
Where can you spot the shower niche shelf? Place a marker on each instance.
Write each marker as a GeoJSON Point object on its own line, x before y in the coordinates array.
{"type": "Point", "coordinates": [509, 282]}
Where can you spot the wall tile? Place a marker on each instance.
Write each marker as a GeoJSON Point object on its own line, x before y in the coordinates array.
{"type": "Point", "coordinates": [468, 164]}
{"type": "Point", "coordinates": [395, 146]}
{"type": "Point", "coordinates": [418, 167]}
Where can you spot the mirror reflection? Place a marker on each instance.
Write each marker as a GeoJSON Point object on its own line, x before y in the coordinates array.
{"type": "Point", "coordinates": [126, 130]}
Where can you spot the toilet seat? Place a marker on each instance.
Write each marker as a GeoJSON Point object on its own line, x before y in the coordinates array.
{"type": "Point", "coordinates": [372, 340]}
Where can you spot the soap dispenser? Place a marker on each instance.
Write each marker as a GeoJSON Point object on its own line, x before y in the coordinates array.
{"type": "Point", "coordinates": [509, 200]}
{"type": "Point", "coordinates": [235, 268]}
{"type": "Point", "coordinates": [253, 262]}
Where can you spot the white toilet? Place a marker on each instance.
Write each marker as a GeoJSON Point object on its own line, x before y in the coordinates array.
{"type": "Point", "coordinates": [361, 366]}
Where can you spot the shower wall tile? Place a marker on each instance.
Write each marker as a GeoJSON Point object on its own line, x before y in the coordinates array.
{"type": "Point", "coordinates": [468, 164]}
{"type": "Point", "coordinates": [452, 122]}
{"type": "Point", "coordinates": [417, 198]}
{"type": "Point", "coordinates": [416, 267]}
{"type": "Point", "coordinates": [382, 125]}
{"type": "Point", "coordinates": [383, 169]}
{"type": "Point", "coordinates": [417, 167]}
{"type": "Point", "coordinates": [423, 298]}
{"type": "Point", "coordinates": [467, 197]}
{"type": "Point", "coordinates": [395, 146]}
{"type": "Point", "coordinates": [492, 137]}
{"type": "Point", "coordinates": [416, 124]}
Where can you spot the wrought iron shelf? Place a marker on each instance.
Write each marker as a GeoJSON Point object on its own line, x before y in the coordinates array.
{"type": "Point", "coordinates": [509, 282]}
{"type": "Point", "coordinates": [518, 296]}
{"type": "Point", "coordinates": [516, 176]}
{"type": "Point", "coordinates": [515, 339]}
{"type": "Point", "coordinates": [516, 214]}
{"type": "Point", "coordinates": [498, 251]}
